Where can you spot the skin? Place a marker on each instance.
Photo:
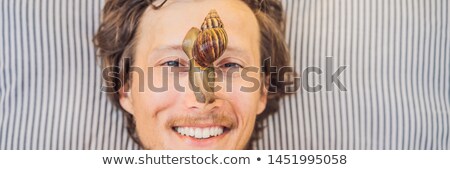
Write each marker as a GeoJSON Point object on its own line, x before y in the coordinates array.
{"type": "Point", "coordinates": [158, 47]}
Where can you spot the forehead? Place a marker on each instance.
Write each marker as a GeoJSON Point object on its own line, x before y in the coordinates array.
{"type": "Point", "coordinates": [167, 26]}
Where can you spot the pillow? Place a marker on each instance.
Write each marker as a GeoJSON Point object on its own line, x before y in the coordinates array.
{"type": "Point", "coordinates": [50, 92]}
{"type": "Point", "coordinates": [375, 75]}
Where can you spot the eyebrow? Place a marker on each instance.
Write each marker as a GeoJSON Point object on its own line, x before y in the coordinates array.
{"type": "Point", "coordinates": [168, 48]}
{"type": "Point", "coordinates": [232, 49]}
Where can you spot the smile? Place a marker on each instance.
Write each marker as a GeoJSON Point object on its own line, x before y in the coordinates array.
{"type": "Point", "coordinates": [200, 132]}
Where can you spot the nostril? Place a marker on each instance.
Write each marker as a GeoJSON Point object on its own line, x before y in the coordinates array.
{"type": "Point", "coordinates": [191, 100]}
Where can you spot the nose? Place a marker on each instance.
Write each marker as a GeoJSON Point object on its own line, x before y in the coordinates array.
{"type": "Point", "coordinates": [197, 100]}
{"type": "Point", "coordinates": [193, 98]}
{"type": "Point", "coordinates": [203, 107]}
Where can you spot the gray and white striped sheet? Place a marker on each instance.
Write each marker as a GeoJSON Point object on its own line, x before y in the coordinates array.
{"type": "Point", "coordinates": [397, 76]}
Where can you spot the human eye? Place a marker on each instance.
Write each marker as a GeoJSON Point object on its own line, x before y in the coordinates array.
{"type": "Point", "coordinates": [172, 63]}
{"type": "Point", "coordinates": [230, 69]}
{"type": "Point", "coordinates": [231, 65]}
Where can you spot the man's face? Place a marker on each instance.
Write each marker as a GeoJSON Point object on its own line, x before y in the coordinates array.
{"type": "Point", "coordinates": [172, 118]}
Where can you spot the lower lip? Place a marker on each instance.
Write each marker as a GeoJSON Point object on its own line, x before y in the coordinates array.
{"type": "Point", "coordinates": [201, 142]}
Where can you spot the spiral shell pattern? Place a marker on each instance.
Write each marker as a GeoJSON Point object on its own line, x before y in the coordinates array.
{"type": "Point", "coordinates": [211, 42]}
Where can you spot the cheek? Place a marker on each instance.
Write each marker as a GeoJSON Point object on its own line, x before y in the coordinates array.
{"type": "Point", "coordinates": [244, 96]}
{"type": "Point", "coordinates": [152, 91]}
{"type": "Point", "coordinates": [152, 96]}
{"type": "Point", "coordinates": [245, 103]}
{"type": "Point", "coordinates": [244, 90]}
{"type": "Point", "coordinates": [245, 107]}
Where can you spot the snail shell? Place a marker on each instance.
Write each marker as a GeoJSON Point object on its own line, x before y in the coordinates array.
{"type": "Point", "coordinates": [211, 42]}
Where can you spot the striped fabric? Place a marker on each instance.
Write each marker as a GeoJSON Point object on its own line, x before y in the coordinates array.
{"type": "Point", "coordinates": [396, 55]}
{"type": "Point", "coordinates": [50, 88]}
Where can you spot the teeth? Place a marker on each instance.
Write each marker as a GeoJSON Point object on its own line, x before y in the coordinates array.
{"type": "Point", "coordinates": [191, 132]}
{"type": "Point", "coordinates": [200, 133]}
{"type": "Point", "coordinates": [206, 133]}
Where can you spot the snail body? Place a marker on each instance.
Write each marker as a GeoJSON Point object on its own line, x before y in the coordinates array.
{"type": "Point", "coordinates": [203, 47]}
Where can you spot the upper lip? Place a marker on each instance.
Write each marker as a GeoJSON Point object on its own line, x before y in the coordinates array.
{"type": "Point", "coordinates": [203, 120]}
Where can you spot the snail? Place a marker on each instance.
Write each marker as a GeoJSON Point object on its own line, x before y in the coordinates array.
{"type": "Point", "coordinates": [203, 47]}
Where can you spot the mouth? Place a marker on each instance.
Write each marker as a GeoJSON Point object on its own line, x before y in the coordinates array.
{"type": "Point", "coordinates": [201, 133]}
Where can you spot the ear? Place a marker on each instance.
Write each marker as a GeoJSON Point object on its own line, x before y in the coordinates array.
{"type": "Point", "coordinates": [125, 99]}
{"type": "Point", "coordinates": [264, 94]}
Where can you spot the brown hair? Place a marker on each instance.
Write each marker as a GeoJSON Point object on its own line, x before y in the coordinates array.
{"type": "Point", "coordinates": [115, 42]}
